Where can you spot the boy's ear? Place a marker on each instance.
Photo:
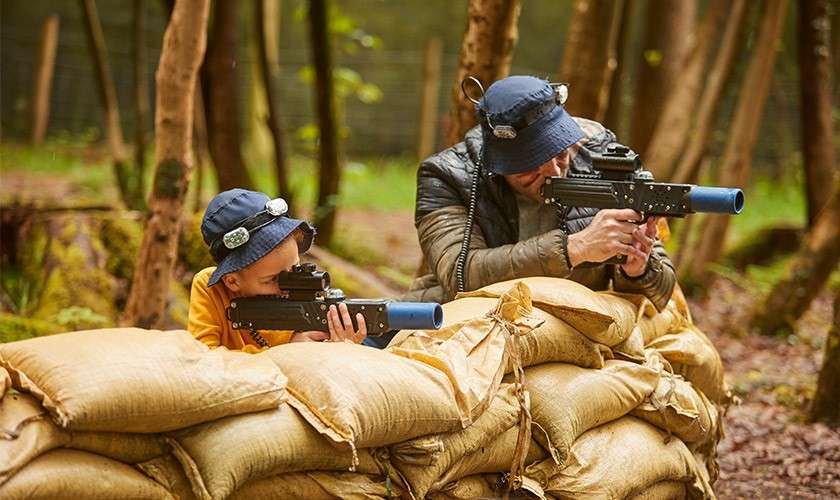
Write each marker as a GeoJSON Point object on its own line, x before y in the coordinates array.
{"type": "Point", "coordinates": [232, 282]}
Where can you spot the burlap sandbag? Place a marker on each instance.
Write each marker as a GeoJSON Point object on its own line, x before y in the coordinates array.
{"type": "Point", "coordinates": [468, 488]}
{"type": "Point", "coordinates": [495, 456]}
{"type": "Point", "coordinates": [5, 382]}
{"type": "Point", "coordinates": [221, 456]}
{"type": "Point", "coordinates": [692, 355]}
{"type": "Point", "coordinates": [663, 490]}
{"type": "Point", "coordinates": [72, 474]}
{"type": "Point", "coordinates": [366, 397]}
{"type": "Point", "coordinates": [618, 460]}
{"type": "Point", "coordinates": [567, 400]}
{"type": "Point", "coordinates": [26, 431]}
{"type": "Point", "coordinates": [604, 318]}
{"type": "Point", "coordinates": [554, 340]}
{"type": "Point", "coordinates": [675, 406]}
{"type": "Point", "coordinates": [502, 414]}
{"type": "Point", "coordinates": [167, 471]}
{"type": "Point", "coordinates": [319, 486]}
{"type": "Point", "coordinates": [654, 324]}
{"type": "Point", "coordinates": [133, 380]}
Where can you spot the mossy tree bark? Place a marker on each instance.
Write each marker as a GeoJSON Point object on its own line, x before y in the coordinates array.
{"type": "Point", "coordinates": [221, 101]}
{"type": "Point", "coordinates": [183, 48]}
{"type": "Point", "coordinates": [589, 58]}
{"type": "Point", "coordinates": [815, 86]}
{"type": "Point", "coordinates": [826, 405]}
{"type": "Point", "coordinates": [486, 52]}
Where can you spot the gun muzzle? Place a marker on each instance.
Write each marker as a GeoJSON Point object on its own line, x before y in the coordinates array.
{"type": "Point", "coordinates": [414, 315]}
{"type": "Point", "coordinates": [716, 200]}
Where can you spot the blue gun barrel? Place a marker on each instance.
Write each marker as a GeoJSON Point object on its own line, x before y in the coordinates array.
{"type": "Point", "coordinates": [716, 200]}
{"type": "Point", "coordinates": [414, 315]}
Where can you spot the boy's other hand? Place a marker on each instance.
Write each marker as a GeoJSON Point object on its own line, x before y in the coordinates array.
{"type": "Point", "coordinates": [341, 326]}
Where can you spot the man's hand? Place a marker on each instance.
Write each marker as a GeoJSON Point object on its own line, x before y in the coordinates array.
{"type": "Point", "coordinates": [341, 326]}
{"type": "Point", "coordinates": [611, 233]}
{"type": "Point", "coordinates": [644, 237]}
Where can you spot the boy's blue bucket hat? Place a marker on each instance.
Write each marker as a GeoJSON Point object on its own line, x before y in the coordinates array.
{"type": "Point", "coordinates": [237, 208]}
{"type": "Point", "coordinates": [523, 125]}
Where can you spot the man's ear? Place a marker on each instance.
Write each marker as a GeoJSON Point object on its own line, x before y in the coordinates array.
{"type": "Point", "coordinates": [232, 282]}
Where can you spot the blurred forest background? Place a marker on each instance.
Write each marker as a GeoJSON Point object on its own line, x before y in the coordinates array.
{"type": "Point", "coordinates": [332, 104]}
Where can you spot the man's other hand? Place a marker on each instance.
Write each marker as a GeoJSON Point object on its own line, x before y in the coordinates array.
{"type": "Point", "coordinates": [644, 237]}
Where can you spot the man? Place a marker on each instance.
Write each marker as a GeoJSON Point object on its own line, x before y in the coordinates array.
{"type": "Point", "coordinates": [524, 136]}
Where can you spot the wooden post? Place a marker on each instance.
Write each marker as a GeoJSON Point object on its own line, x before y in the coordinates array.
{"type": "Point", "coordinates": [43, 79]}
{"type": "Point", "coordinates": [426, 132]}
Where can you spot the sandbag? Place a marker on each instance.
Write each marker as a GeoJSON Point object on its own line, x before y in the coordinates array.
{"type": "Point", "coordinates": [603, 317]}
{"type": "Point", "coordinates": [663, 490]}
{"type": "Point", "coordinates": [366, 397]}
{"type": "Point", "coordinates": [495, 456]}
{"type": "Point", "coordinates": [692, 355]}
{"type": "Point", "coordinates": [468, 488]}
{"type": "Point", "coordinates": [654, 324]}
{"type": "Point", "coordinates": [134, 380]}
{"type": "Point", "coordinates": [167, 471]}
{"type": "Point", "coordinates": [319, 486]}
{"type": "Point", "coordinates": [620, 459]}
{"type": "Point", "coordinates": [473, 353]}
{"type": "Point", "coordinates": [26, 431]}
{"type": "Point", "coordinates": [219, 457]}
{"type": "Point", "coordinates": [675, 406]}
{"type": "Point", "coordinates": [72, 474]}
{"type": "Point", "coordinates": [502, 414]}
{"type": "Point", "coordinates": [567, 400]}
{"type": "Point", "coordinates": [554, 340]}
{"type": "Point", "coordinates": [5, 382]}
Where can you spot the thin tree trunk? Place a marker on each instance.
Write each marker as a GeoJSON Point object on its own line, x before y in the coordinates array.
{"type": "Point", "coordinates": [329, 174]}
{"type": "Point", "coordinates": [615, 104]}
{"type": "Point", "coordinates": [141, 95]}
{"type": "Point", "coordinates": [426, 126]}
{"type": "Point", "coordinates": [266, 17]}
{"type": "Point", "coordinates": [826, 405]}
{"type": "Point", "coordinates": [698, 141]}
{"type": "Point", "coordinates": [199, 147]}
{"type": "Point", "coordinates": [183, 48]}
{"type": "Point", "coordinates": [815, 85]}
{"type": "Point", "coordinates": [806, 274]}
{"type": "Point", "coordinates": [589, 58]}
{"type": "Point", "coordinates": [664, 49]}
{"type": "Point", "coordinates": [735, 166]}
{"type": "Point", "coordinates": [221, 98]}
{"type": "Point", "coordinates": [43, 79]}
{"type": "Point", "coordinates": [486, 52]}
{"type": "Point", "coordinates": [108, 96]}
{"type": "Point", "coordinates": [673, 126]}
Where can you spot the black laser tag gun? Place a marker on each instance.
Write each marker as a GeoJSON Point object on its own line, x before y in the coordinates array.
{"type": "Point", "coordinates": [306, 301]}
{"type": "Point", "coordinates": [619, 181]}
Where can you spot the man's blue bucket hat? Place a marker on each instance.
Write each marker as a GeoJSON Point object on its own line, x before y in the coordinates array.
{"type": "Point", "coordinates": [523, 125]}
{"type": "Point", "coordinates": [240, 227]}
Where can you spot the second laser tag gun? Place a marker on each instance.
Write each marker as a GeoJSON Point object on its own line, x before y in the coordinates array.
{"type": "Point", "coordinates": [306, 301]}
{"type": "Point", "coordinates": [619, 181]}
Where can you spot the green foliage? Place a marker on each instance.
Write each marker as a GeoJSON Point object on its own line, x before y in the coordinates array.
{"type": "Point", "coordinates": [13, 328]}
{"type": "Point", "coordinates": [80, 318]}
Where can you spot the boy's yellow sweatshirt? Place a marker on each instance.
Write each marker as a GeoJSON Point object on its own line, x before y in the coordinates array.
{"type": "Point", "coordinates": [208, 323]}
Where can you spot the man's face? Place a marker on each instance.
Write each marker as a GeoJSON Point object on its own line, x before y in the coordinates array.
{"type": "Point", "coordinates": [260, 278]}
{"type": "Point", "coordinates": [529, 183]}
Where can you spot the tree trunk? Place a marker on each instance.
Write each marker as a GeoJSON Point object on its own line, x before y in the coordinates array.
{"type": "Point", "coordinates": [826, 405]}
{"type": "Point", "coordinates": [589, 58]}
{"type": "Point", "coordinates": [183, 48]}
{"type": "Point", "coordinates": [199, 147]}
{"type": "Point", "coordinates": [672, 127]}
{"type": "Point", "coordinates": [329, 174]}
{"type": "Point", "coordinates": [221, 98]}
{"type": "Point", "coordinates": [427, 123]}
{"type": "Point", "coordinates": [141, 95]}
{"type": "Point", "coordinates": [613, 119]}
{"type": "Point", "coordinates": [108, 96]}
{"type": "Point", "coordinates": [735, 165]}
{"type": "Point", "coordinates": [486, 51]}
{"type": "Point", "coordinates": [266, 17]}
{"type": "Point", "coordinates": [806, 274]}
{"type": "Point", "coordinates": [691, 158]}
{"type": "Point", "coordinates": [815, 85]}
{"type": "Point", "coordinates": [663, 51]}
{"type": "Point", "coordinates": [43, 79]}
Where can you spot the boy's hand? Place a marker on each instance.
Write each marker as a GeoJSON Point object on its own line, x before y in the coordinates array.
{"type": "Point", "coordinates": [341, 326]}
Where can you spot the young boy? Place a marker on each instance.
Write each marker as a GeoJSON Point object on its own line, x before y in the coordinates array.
{"type": "Point", "coordinates": [252, 240]}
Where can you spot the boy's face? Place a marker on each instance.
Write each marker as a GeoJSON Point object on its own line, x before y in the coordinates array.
{"type": "Point", "coordinates": [260, 278]}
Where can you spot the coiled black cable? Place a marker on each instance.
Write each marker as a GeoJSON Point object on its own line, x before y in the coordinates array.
{"type": "Point", "coordinates": [465, 243]}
